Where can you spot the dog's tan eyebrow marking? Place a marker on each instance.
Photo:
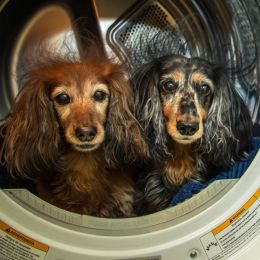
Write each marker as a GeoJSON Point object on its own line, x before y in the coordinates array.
{"type": "Point", "coordinates": [200, 77]}
{"type": "Point", "coordinates": [178, 75]}
{"type": "Point", "coordinates": [100, 86]}
{"type": "Point", "coordinates": [60, 89]}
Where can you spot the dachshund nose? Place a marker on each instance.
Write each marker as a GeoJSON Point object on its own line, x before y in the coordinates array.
{"type": "Point", "coordinates": [86, 133]}
{"type": "Point", "coordinates": [187, 128]}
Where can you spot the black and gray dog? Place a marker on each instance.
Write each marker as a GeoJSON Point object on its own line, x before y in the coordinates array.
{"type": "Point", "coordinates": [195, 123]}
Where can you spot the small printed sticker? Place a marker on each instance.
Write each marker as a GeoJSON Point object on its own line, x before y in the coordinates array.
{"type": "Point", "coordinates": [235, 232]}
{"type": "Point", "coordinates": [15, 245]}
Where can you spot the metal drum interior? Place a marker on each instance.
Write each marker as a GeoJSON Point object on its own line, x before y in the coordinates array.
{"type": "Point", "coordinates": [211, 26]}
{"type": "Point", "coordinates": [221, 28]}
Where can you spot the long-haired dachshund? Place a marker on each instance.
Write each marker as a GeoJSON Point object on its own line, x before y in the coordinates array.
{"type": "Point", "coordinates": [195, 122]}
{"type": "Point", "coordinates": [71, 130]}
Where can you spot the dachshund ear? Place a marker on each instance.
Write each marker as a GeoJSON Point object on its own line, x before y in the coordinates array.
{"type": "Point", "coordinates": [31, 133]}
{"type": "Point", "coordinates": [148, 107]}
{"type": "Point", "coordinates": [228, 129]}
{"type": "Point", "coordinates": [124, 140]}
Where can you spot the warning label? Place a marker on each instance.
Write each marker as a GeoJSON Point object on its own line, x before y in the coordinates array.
{"type": "Point", "coordinates": [235, 232]}
{"type": "Point", "coordinates": [16, 246]}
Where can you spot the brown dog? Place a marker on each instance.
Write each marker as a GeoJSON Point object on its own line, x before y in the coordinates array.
{"type": "Point", "coordinates": [69, 128]}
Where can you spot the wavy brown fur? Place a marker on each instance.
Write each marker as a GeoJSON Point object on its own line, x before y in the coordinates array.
{"type": "Point", "coordinates": [41, 141]}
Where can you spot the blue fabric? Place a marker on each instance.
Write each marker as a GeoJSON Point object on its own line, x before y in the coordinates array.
{"type": "Point", "coordinates": [235, 172]}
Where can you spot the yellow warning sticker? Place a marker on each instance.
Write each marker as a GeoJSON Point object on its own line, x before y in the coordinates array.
{"type": "Point", "coordinates": [234, 217]}
{"type": "Point", "coordinates": [15, 245]}
{"type": "Point", "coordinates": [235, 232]}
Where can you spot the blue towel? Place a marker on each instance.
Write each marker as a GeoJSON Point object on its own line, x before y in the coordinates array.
{"type": "Point", "coordinates": [235, 172]}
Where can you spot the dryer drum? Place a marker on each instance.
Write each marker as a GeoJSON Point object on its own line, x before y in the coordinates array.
{"type": "Point", "coordinates": [215, 28]}
{"type": "Point", "coordinates": [222, 221]}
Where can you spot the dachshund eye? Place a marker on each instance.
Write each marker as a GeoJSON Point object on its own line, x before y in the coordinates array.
{"type": "Point", "coordinates": [204, 88]}
{"type": "Point", "coordinates": [169, 85]}
{"type": "Point", "coordinates": [100, 95]}
{"type": "Point", "coordinates": [62, 99]}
